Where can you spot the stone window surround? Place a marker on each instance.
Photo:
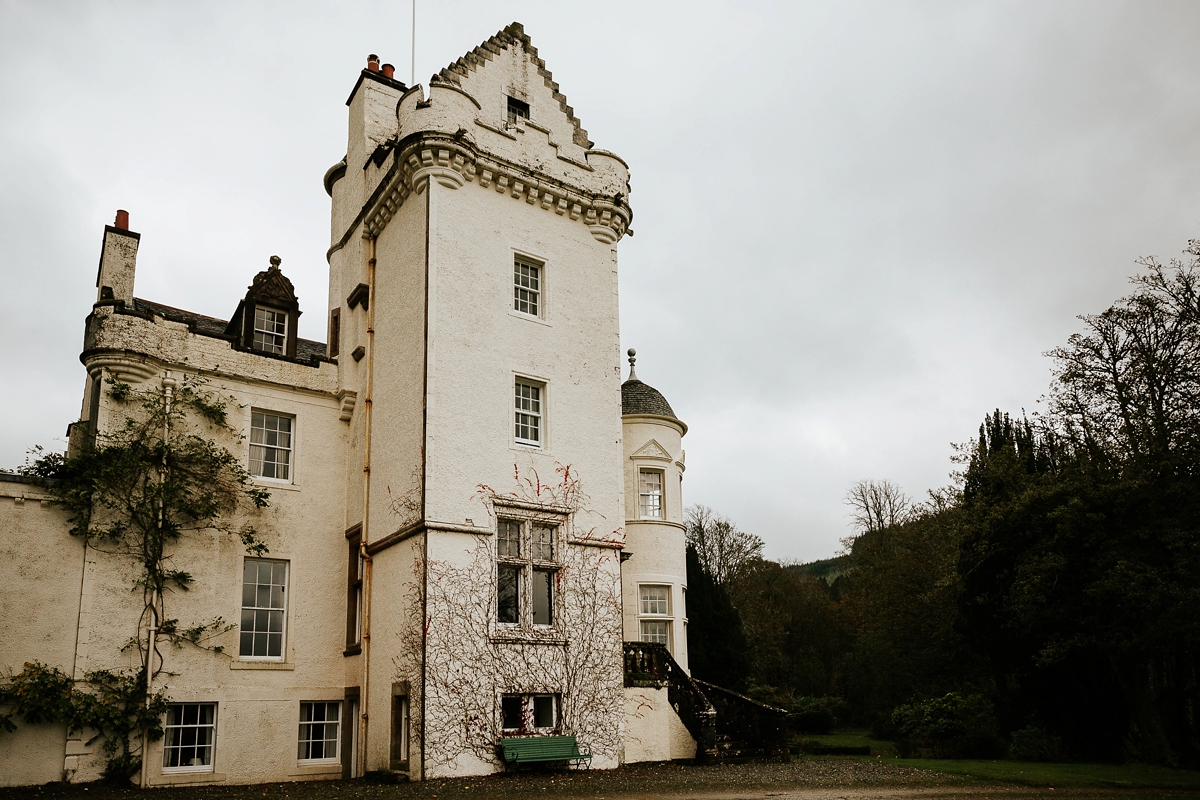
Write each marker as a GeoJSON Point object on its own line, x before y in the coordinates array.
{"type": "Point", "coordinates": [526, 563]}
{"type": "Point", "coordinates": [354, 581]}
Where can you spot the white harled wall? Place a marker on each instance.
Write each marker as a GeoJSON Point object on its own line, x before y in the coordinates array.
{"type": "Point", "coordinates": [258, 702]}
{"type": "Point", "coordinates": [40, 568]}
{"type": "Point", "coordinates": [448, 347]}
{"type": "Point", "coordinates": [656, 555]}
{"type": "Point", "coordinates": [656, 546]}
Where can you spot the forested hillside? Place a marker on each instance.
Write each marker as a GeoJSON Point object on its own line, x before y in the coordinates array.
{"type": "Point", "coordinates": [1046, 601]}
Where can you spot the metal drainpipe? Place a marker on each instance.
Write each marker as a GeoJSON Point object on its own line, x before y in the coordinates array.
{"type": "Point", "coordinates": [364, 692]}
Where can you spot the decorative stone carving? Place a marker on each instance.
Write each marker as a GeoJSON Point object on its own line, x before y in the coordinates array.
{"type": "Point", "coordinates": [652, 450]}
{"type": "Point", "coordinates": [348, 398]}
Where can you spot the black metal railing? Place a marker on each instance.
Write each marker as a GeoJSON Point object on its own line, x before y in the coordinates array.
{"type": "Point", "coordinates": [646, 665]}
{"type": "Point", "coordinates": [750, 728]}
{"type": "Point", "coordinates": [651, 665]}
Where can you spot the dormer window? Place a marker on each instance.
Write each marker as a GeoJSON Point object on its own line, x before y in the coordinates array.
{"type": "Point", "coordinates": [270, 330]}
{"type": "Point", "coordinates": [265, 320]}
{"type": "Point", "coordinates": [517, 109]}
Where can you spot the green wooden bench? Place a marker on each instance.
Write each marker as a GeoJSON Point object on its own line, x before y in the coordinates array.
{"type": "Point", "coordinates": [518, 750]}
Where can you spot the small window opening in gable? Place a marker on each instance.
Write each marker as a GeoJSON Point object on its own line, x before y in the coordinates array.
{"type": "Point", "coordinates": [517, 109]}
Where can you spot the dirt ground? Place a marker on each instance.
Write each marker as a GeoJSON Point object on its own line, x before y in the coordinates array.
{"type": "Point", "coordinates": [804, 779]}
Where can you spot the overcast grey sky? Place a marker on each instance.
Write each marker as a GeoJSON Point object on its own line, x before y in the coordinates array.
{"type": "Point", "coordinates": [858, 225]}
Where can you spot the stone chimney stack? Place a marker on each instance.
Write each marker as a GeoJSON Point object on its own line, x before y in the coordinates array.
{"type": "Point", "coordinates": [118, 260]}
{"type": "Point", "coordinates": [372, 112]}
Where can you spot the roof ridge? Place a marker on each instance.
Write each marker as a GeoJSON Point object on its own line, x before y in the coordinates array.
{"type": "Point", "coordinates": [513, 33]}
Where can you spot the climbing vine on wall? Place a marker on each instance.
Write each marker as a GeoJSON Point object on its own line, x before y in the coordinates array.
{"type": "Point", "coordinates": [149, 480]}
{"type": "Point", "coordinates": [471, 661]}
{"type": "Point", "coordinates": [113, 706]}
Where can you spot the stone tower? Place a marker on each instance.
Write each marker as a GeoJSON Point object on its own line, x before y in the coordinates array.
{"type": "Point", "coordinates": [655, 572]}
{"type": "Point", "coordinates": [473, 312]}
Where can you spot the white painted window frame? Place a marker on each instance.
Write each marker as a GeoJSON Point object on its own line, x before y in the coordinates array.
{"type": "Point", "coordinates": [337, 738]}
{"type": "Point", "coordinates": [645, 616]}
{"type": "Point", "coordinates": [527, 562]}
{"type": "Point", "coordinates": [528, 701]}
{"type": "Point", "coordinates": [644, 497]}
{"type": "Point", "coordinates": [522, 293]}
{"type": "Point", "coordinates": [277, 337]}
{"type": "Point", "coordinates": [287, 579]}
{"type": "Point", "coordinates": [528, 411]}
{"type": "Point", "coordinates": [290, 449]}
{"type": "Point", "coordinates": [167, 732]}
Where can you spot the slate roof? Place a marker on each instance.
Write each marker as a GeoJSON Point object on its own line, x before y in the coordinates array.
{"type": "Point", "coordinates": [306, 349]}
{"type": "Point", "coordinates": [198, 323]}
{"type": "Point", "coordinates": [641, 398]}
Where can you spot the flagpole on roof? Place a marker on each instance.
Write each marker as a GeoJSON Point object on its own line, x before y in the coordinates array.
{"type": "Point", "coordinates": [412, 80]}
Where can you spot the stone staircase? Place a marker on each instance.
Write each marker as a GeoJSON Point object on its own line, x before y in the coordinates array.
{"type": "Point", "coordinates": [727, 726]}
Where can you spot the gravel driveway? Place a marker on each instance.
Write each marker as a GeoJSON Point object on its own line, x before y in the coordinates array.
{"type": "Point", "coordinates": [804, 779]}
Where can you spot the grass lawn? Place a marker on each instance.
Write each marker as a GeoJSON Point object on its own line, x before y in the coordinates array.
{"type": "Point", "coordinates": [1127, 776]}
{"type": "Point", "coordinates": [853, 739]}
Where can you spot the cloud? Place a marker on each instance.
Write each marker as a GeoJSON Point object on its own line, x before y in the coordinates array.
{"type": "Point", "coordinates": [858, 225]}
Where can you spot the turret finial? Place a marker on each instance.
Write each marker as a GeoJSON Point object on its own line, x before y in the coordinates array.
{"type": "Point", "coordinates": [632, 358]}
{"type": "Point", "coordinates": [275, 262]}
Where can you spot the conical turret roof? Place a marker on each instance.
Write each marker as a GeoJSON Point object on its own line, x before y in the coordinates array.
{"type": "Point", "coordinates": [642, 398]}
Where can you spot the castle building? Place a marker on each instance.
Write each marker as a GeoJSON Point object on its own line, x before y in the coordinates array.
{"type": "Point", "coordinates": [471, 513]}
{"type": "Point", "coordinates": [475, 529]}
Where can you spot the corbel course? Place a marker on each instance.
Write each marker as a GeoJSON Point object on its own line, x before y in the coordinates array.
{"type": "Point", "coordinates": [453, 163]}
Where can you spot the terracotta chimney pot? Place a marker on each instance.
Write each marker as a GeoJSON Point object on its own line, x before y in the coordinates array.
{"type": "Point", "coordinates": [122, 220]}
{"type": "Point", "coordinates": [389, 71]}
{"type": "Point", "coordinates": [373, 62]}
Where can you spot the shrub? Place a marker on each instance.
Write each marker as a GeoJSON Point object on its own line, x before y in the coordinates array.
{"type": "Point", "coordinates": [953, 726]}
{"type": "Point", "coordinates": [816, 714]}
{"type": "Point", "coordinates": [1035, 743]}
{"type": "Point", "coordinates": [883, 728]}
